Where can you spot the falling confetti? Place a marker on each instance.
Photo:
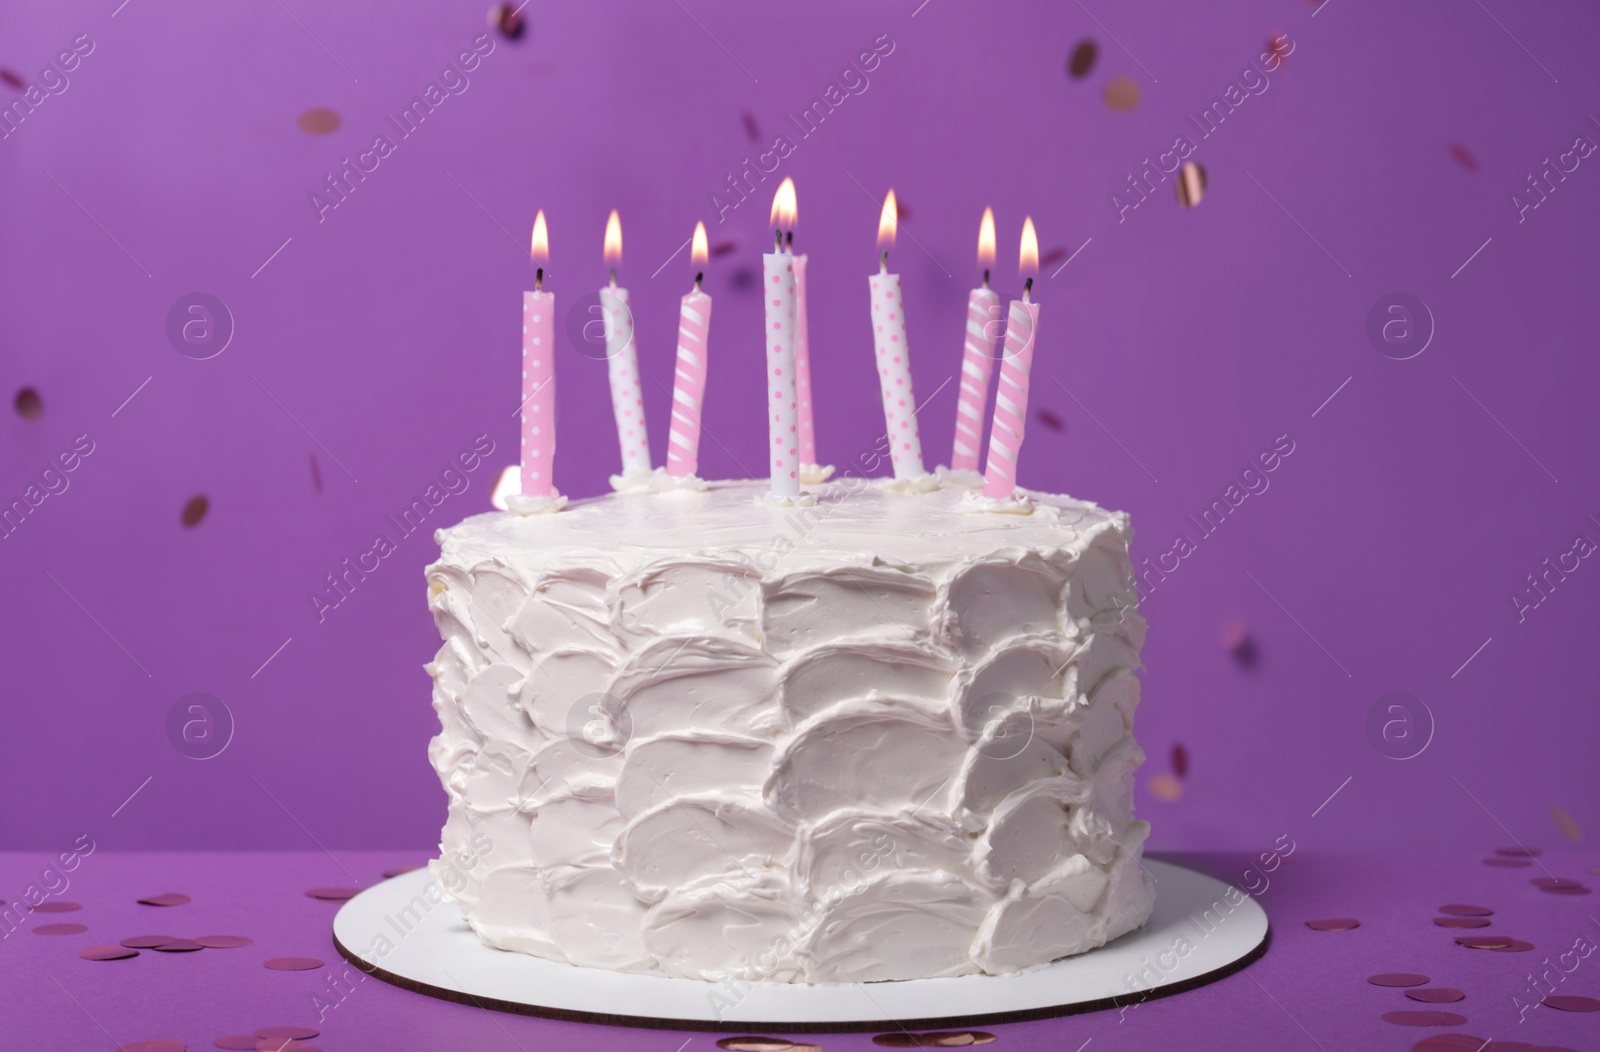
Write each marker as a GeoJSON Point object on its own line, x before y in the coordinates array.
{"type": "Point", "coordinates": [316, 474]}
{"type": "Point", "coordinates": [1463, 157]}
{"type": "Point", "coordinates": [1278, 45]}
{"type": "Point", "coordinates": [1566, 823]}
{"type": "Point", "coordinates": [193, 512]}
{"type": "Point", "coordinates": [12, 79]}
{"type": "Point", "coordinates": [1081, 61]}
{"type": "Point", "coordinates": [1055, 255]}
{"type": "Point", "coordinates": [1191, 184]}
{"type": "Point", "coordinates": [1165, 788]}
{"type": "Point", "coordinates": [1122, 94]}
{"type": "Point", "coordinates": [1180, 761]}
{"type": "Point", "coordinates": [723, 248]}
{"type": "Point", "coordinates": [29, 405]}
{"type": "Point", "coordinates": [751, 129]}
{"type": "Point", "coordinates": [319, 121]}
{"type": "Point", "coordinates": [508, 20]}
{"type": "Point", "coordinates": [1050, 420]}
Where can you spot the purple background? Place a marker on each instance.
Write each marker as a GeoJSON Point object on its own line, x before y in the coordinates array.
{"type": "Point", "coordinates": [1189, 339]}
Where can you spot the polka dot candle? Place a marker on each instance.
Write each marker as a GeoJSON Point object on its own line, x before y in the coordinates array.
{"type": "Point", "coordinates": [538, 393]}
{"type": "Point", "coordinates": [627, 395]}
{"type": "Point", "coordinates": [783, 398]}
{"type": "Point", "coordinates": [894, 375]}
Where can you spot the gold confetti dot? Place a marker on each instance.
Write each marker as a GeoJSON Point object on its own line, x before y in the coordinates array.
{"type": "Point", "coordinates": [1566, 823]}
{"type": "Point", "coordinates": [1122, 94]}
{"type": "Point", "coordinates": [1165, 788]}
{"type": "Point", "coordinates": [1191, 185]}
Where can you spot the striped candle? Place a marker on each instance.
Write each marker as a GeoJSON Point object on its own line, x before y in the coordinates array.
{"type": "Point", "coordinates": [694, 324]}
{"type": "Point", "coordinates": [538, 393]}
{"type": "Point", "coordinates": [806, 429]}
{"type": "Point", "coordinates": [783, 401]}
{"type": "Point", "coordinates": [1011, 400]}
{"type": "Point", "coordinates": [977, 366]}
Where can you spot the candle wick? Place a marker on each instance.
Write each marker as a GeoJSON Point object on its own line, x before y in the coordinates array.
{"type": "Point", "coordinates": [613, 277]}
{"type": "Point", "coordinates": [538, 280]}
{"type": "Point", "coordinates": [699, 277]}
{"type": "Point", "coordinates": [883, 263]}
{"type": "Point", "coordinates": [777, 241]}
{"type": "Point", "coordinates": [788, 242]}
{"type": "Point", "coordinates": [1027, 287]}
{"type": "Point", "coordinates": [985, 277]}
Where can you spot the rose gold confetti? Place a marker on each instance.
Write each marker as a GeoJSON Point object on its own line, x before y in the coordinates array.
{"type": "Point", "coordinates": [178, 946]}
{"type": "Point", "coordinates": [723, 248]}
{"type": "Point", "coordinates": [1122, 94]}
{"type": "Point", "coordinates": [292, 964]}
{"type": "Point", "coordinates": [316, 474]}
{"type": "Point", "coordinates": [755, 1044]}
{"type": "Point", "coordinates": [29, 405]}
{"type": "Point", "coordinates": [1421, 1018]}
{"type": "Point", "coordinates": [299, 1033]}
{"type": "Point", "coordinates": [1461, 922]}
{"type": "Point", "coordinates": [1566, 823]}
{"type": "Point", "coordinates": [750, 127]}
{"type": "Point", "coordinates": [1556, 882]}
{"type": "Point", "coordinates": [194, 511]}
{"type": "Point", "coordinates": [332, 894]}
{"type": "Point", "coordinates": [57, 907]}
{"type": "Point", "coordinates": [508, 20]}
{"type": "Point", "coordinates": [107, 953]}
{"type": "Point", "coordinates": [1169, 790]}
{"type": "Point", "coordinates": [1055, 255]}
{"type": "Point", "coordinates": [1463, 157]}
{"type": "Point", "coordinates": [1485, 942]}
{"type": "Point", "coordinates": [1191, 184]}
{"type": "Point", "coordinates": [1459, 910]}
{"type": "Point", "coordinates": [1180, 761]}
{"type": "Point", "coordinates": [1050, 420]}
{"type": "Point", "coordinates": [319, 121]}
{"type": "Point", "coordinates": [1398, 979]}
{"type": "Point", "coordinates": [223, 942]}
{"type": "Point", "coordinates": [1337, 924]}
{"type": "Point", "coordinates": [1517, 946]}
{"type": "Point", "coordinates": [1278, 45]}
{"type": "Point", "coordinates": [1579, 890]}
{"type": "Point", "coordinates": [163, 1044]}
{"type": "Point", "coordinates": [61, 929]}
{"type": "Point", "coordinates": [237, 1042]}
{"type": "Point", "coordinates": [1082, 59]}
{"type": "Point", "coordinates": [1436, 995]}
{"type": "Point", "coordinates": [395, 871]}
{"type": "Point", "coordinates": [1518, 852]}
{"type": "Point", "coordinates": [1572, 1003]}
{"type": "Point", "coordinates": [1451, 1043]}
{"type": "Point", "coordinates": [285, 1044]}
{"type": "Point", "coordinates": [12, 79]}
{"type": "Point", "coordinates": [1508, 863]}
{"type": "Point", "coordinates": [171, 898]}
{"type": "Point", "coordinates": [146, 942]}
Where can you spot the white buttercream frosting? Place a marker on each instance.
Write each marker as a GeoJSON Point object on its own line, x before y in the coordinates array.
{"type": "Point", "coordinates": [877, 737]}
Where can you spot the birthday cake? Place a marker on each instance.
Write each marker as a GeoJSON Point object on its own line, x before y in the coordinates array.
{"type": "Point", "coordinates": [878, 737]}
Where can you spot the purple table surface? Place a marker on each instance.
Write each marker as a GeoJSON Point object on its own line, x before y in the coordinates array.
{"type": "Point", "coordinates": [1309, 991]}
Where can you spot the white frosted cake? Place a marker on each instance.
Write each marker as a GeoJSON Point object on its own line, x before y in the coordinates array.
{"type": "Point", "coordinates": [881, 737]}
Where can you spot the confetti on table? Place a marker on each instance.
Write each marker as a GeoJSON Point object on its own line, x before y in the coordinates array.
{"type": "Point", "coordinates": [1572, 1003]}
{"type": "Point", "coordinates": [395, 871]}
{"type": "Point", "coordinates": [1459, 910]}
{"type": "Point", "coordinates": [223, 942]}
{"type": "Point", "coordinates": [299, 1033]}
{"type": "Point", "coordinates": [292, 964]}
{"type": "Point", "coordinates": [1436, 995]}
{"type": "Point", "coordinates": [146, 942]}
{"type": "Point", "coordinates": [1461, 922]}
{"type": "Point", "coordinates": [1419, 1018]}
{"type": "Point", "coordinates": [107, 953]}
{"type": "Point", "coordinates": [1337, 924]}
{"type": "Point", "coordinates": [60, 929]}
{"type": "Point", "coordinates": [1398, 979]}
{"type": "Point", "coordinates": [1507, 863]}
{"type": "Point", "coordinates": [1517, 852]}
{"type": "Point", "coordinates": [57, 907]}
{"type": "Point", "coordinates": [178, 946]}
{"type": "Point", "coordinates": [1452, 1043]}
{"type": "Point", "coordinates": [332, 894]}
{"type": "Point", "coordinates": [171, 898]}
{"type": "Point", "coordinates": [163, 1044]}
{"type": "Point", "coordinates": [237, 1042]}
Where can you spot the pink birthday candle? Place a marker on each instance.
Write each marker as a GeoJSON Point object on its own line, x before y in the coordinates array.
{"type": "Point", "coordinates": [538, 375]}
{"type": "Point", "coordinates": [893, 356]}
{"type": "Point", "coordinates": [977, 362]}
{"type": "Point", "coordinates": [785, 213]}
{"type": "Point", "coordinates": [689, 388]}
{"type": "Point", "coordinates": [1011, 397]}
{"type": "Point", "coordinates": [622, 362]}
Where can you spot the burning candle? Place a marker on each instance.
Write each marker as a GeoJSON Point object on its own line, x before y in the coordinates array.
{"type": "Point", "coordinates": [689, 388]}
{"type": "Point", "coordinates": [777, 282]}
{"type": "Point", "coordinates": [537, 491]}
{"type": "Point", "coordinates": [1011, 397]}
{"type": "Point", "coordinates": [893, 356]}
{"type": "Point", "coordinates": [977, 363]}
{"type": "Point", "coordinates": [627, 396]}
{"type": "Point", "coordinates": [785, 214]}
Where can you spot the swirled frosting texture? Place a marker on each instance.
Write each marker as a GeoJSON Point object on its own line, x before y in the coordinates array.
{"type": "Point", "coordinates": [877, 737]}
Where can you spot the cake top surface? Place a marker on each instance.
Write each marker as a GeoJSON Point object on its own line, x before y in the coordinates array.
{"type": "Point", "coordinates": [850, 517]}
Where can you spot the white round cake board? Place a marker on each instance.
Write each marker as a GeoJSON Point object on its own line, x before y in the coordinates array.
{"type": "Point", "coordinates": [1200, 931]}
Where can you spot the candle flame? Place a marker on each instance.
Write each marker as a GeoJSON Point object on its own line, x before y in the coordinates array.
{"type": "Point", "coordinates": [699, 252]}
{"type": "Point", "coordinates": [888, 221]}
{"type": "Point", "coordinates": [1028, 257]}
{"type": "Point", "coordinates": [986, 239]}
{"type": "Point", "coordinates": [613, 249]}
{"type": "Point", "coordinates": [785, 206]}
{"type": "Point", "coordinates": [539, 251]}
